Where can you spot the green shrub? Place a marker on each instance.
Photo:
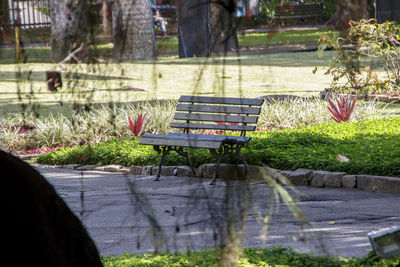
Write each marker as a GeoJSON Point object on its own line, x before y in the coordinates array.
{"type": "Point", "coordinates": [122, 151]}
{"type": "Point", "coordinates": [103, 123]}
{"type": "Point", "coordinates": [267, 9]}
{"type": "Point", "coordinates": [380, 40]}
{"type": "Point", "coordinates": [373, 147]}
{"type": "Point", "coordinates": [100, 123]}
{"type": "Point", "coordinates": [346, 66]}
{"type": "Point", "coordinates": [367, 40]}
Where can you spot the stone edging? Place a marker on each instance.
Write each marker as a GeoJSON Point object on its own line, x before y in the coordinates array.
{"type": "Point", "coordinates": [299, 177]}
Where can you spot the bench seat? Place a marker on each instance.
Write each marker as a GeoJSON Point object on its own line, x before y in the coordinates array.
{"type": "Point", "coordinates": [191, 140]}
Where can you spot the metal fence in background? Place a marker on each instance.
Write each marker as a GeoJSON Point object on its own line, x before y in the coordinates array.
{"type": "Point", "coordinates": [25, 14]}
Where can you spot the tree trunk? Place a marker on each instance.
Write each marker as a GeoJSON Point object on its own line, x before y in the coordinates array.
{"type": "Point", "coordinates": [70, 20]}
{"type": "Point", "coordinates": [223, 31]}
{"type": "Point", "coordinates": [206, 27]}
{"type": "Point", "coordinates": [193, 28]}
{"type": "Point", "coordinates": [4, 19]}
{"type": "Point", "coordinates": [4, 12]}
{"type": "Point", "coordinates": [133, 32]}
{"type": "Point", "coordinates": [388, 10]}
{"type": "Point", "coordinates": [347, 10]}
{"type": "Point", "coordinates": [107, 17]}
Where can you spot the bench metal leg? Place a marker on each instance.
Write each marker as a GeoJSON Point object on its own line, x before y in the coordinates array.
{"type": "Point", "coordinates": [186, 155]}
{"type": "Point", "coordinates": [216, 168]}
{"type": "Point", "coordinates": [246, 168]}
{"type": "Point", "coordinates": [164, 153]}
{"type": "Point", "coordinates": [189, 162]}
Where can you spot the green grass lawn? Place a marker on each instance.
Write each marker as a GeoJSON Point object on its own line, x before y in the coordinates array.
{"type": "Point", "coordinates": [169, 45]}
{"type": "Point", "coordinates": [285, 37]}
{"type": "Point", "coordinates": [262, 39]}
{"type": "Point", "coordinates": [166, 78]}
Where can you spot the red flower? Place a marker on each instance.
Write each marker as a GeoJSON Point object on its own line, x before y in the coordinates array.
{"type": "Point", "coordinates": [223, 123]}
{"type": "Point", "coordinates": [342, 110]}
{"type": "Point", "coordinates": [137, 126]}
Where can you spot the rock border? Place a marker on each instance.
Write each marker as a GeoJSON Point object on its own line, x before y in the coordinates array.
{"type": "Point", "coordinates": [299, 177]}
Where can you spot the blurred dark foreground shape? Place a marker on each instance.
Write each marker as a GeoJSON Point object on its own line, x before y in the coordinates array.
{"type": "Point", "coordinates": [39, 229]}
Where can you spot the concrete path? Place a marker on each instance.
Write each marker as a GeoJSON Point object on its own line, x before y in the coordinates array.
{"type": "Point", "coordinates": [117, 211]}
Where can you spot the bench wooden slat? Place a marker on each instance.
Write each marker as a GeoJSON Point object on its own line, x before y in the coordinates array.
{"type": "Point", "coordinates": [213, 126]}
{"type": "Point", "coordinates": [295, 17]}
{"type": "Point", "coordinates": [219, 109]}
{"type": "Point", "coordinates": [190, 140]}
{"type": "Point", "coordinates": [217, 118]}
{"type": "Point", "coordinates": [205, 137]}
{"type": "Point", "coordinates": [222, 100]}
{"type": "Point", "coordinates": [178, 142]}
{"type": "Point", "coordinates": [299, 11]}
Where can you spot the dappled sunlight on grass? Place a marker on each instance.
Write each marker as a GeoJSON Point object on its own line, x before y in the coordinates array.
{"type": "Point", "coordinates": [166, 78]}
{"type": "Point", "coordinates": [286, 37]}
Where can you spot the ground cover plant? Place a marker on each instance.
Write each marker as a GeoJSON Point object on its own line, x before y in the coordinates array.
{"type": "Point", "coordinates": [372, 147]}
{"type": "Point", "coordinates": [275, 256]}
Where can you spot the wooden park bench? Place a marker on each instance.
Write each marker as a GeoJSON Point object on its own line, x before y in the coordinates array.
{"type": "Point", "coordinates": [208, 113]}
{"type": "Point", "coordinates": [294, 12]}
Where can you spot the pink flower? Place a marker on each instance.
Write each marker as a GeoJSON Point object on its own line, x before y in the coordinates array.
{"type": "Point", "coordinates": [342, 109]}
{"type": "Point", "coordinates": [137, 126]}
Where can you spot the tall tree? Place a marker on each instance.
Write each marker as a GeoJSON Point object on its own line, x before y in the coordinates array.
{"type": "Point", "coordinates": [388, 10]}
{"type": "Point", "coordinates": [133, 33]}
{"type": "Point", "coordinates": [4, 18]}
{"type": "Point", "coordinates": [193, 28]}
{"type": "Point", "coordinates": [70, 24]}
{"type": "Point", "coordinates": [347, 10]}
{"type": "Point", "coordinates": [223, 30]}
{"type": "Point", "coordinates": [106, 14]}
{"type": "Point", "coordinates": [4, 12]}
{"type": "Point", "coordinates": [206, 27]}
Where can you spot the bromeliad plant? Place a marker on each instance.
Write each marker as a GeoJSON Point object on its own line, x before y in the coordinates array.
{"type": "Point", "coordinates": [137, 126]}
{"type": "Point", "coordinates": [342, 108]}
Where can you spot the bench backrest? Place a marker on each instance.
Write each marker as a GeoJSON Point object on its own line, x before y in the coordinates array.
{"type": "Point", "coordinates": [217, 113]}
{"type": "Point", "coordinates": [299, 10]}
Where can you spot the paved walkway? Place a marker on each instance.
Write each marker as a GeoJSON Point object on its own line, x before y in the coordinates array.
{"type": "Point", "coordinates": [191, 213]}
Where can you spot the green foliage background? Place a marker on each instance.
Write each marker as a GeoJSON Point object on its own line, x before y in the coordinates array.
{"type": "Point", "coordinates": [275, 256]}
{"type": "Point", "coordinates": [373, 147]}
